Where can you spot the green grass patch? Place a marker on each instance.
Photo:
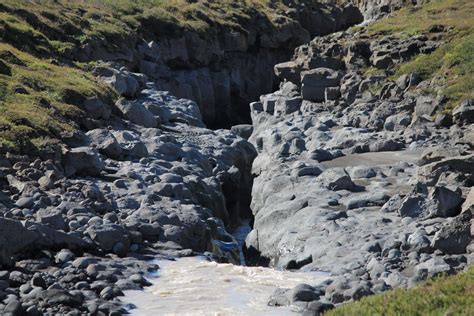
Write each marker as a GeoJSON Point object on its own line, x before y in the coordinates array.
{"type": "Point", "coordinates": [43, 25]}
{"type": "Point", "coordinates": [453, 61]}
{"type": "Point", "coordinates": [449, 295]}
{"type": "Point", "coordinates": [39, 100]}
{"type": "Point", "coordinates": [412, 21]}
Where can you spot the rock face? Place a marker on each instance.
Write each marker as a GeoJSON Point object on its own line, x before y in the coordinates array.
{"type": "Point", "coordinates": [334, 172]}
{"type": "Point", "coordinates": [221, 71]}
{"type": "Point", "coordinates": [151, 178]}
{"type": "Point", "coordinates": [375, 9]}
{"type": "Point", "coordinates": [359, 182]}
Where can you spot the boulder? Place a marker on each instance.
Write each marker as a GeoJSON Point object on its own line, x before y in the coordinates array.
{"type": "Point", "coordinates": [463, 165]}
{"type": "Point", "coordinates": [381, 60]}
{"type": "Point", "coordinates": [413, 205]}
{"type": "Point", "coordinates": [426, 105]}
{"type": "Point", "coordinates": [105, 142]}
{"type": "Point", "coordinates": [438, 153]}
{"type": "Point", "coordinates": [314, 83]}
{"type": "Point", "coordinates": [454, 236]}
{"type": "Point", "coordinates": [302, 293]}
{"type": "Point", "coordinates": [464, 113]}
{"type": "Point", "coordinates": [243, 130]}
{"type": "Point", "coordinates": [337, 179]}
{"type": "Point", "coordinates": [290, 71]}
{"type": "Point", "coordinates": [124, 82]}
{"type": "Point", "coordinates": [110, 237]}
{"type": "Point", "coordinates": [433, 267]}
{"type": "Point", "coordinates": [48, 238]}
{"type": "Point", "coordinates": [17, 237]}
{"type": "Point", "coordinates": [52, 218]}
{"type": "Point", "coordinates": [97, 109]}
{"type": "Point", "coordinates": [136, 112]}
{"type": "Point", "coordinates": [13, 237]}
{"type": "Point", "coordinates": [83, 161]}
{"type": "Point", "coordinates": [448, 202]}
{"type": "Point", "coordinates": [366, 200]}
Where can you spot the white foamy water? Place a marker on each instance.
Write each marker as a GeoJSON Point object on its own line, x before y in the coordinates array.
{"type": "Point", "coordinates": [195, 286]}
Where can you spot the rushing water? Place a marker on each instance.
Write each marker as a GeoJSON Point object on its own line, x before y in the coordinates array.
{"type": "Point", "coordinates": [195, 286]}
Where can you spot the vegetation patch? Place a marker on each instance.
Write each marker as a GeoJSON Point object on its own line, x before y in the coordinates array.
{"type": "Point", "coordinates": [44, 27]}
{"type": "Point", "coordinates": [453, 61]}
{"type": "Point", "coordinates": [41, 86]}
{"type": "Point", "coordinates": [448, 295]}
{"type": "Point", "coordinates": [35, 98]}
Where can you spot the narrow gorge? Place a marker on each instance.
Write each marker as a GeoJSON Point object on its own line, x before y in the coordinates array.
{"type": "Point", "coordinates": [243, 157]}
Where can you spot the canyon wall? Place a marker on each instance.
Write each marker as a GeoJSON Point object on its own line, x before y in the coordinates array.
{"type": "Point", "coordinates": [227, 69]}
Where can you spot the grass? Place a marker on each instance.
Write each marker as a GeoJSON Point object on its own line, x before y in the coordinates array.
{"type": "Point", "coordinates": [41, 88]}
{"type": "Point", "coordinates": [448, 295]}
{"type": "Point", "coordinates": [453, 62]}
{"type": "Point", "coordinates": [115, 21]}
{"type": "Point", "coordinates": [39, 100]}
{"type": "Point", "coordinates": [42, 34]}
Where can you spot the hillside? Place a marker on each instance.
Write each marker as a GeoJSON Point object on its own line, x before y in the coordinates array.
{"type": "Point", "coordinates": [194, 41]}
{"type": "Point", "coordinates": [331, 138]}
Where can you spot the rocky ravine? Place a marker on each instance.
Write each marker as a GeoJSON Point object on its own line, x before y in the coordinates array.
{"type": "Point", "coordinates": [368, 184]}
{"type": "Point", "coordinates": [225, 70]}
{"type": "Point", "coordinates": [75, 230]}
{"type": "Point", "coordinates": [147, 178]}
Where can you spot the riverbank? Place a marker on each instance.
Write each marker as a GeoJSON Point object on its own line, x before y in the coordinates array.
{"type": "Point", "coordinates": [359, 165]}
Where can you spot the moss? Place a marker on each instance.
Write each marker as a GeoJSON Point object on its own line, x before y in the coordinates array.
{"type": "Point", "coordinates": [418, 20]}
{"type": "Point", "coordinates": [453, 61]}
{"type": "Point", "coordinates": [35, 100]}
{"type": "Point", "coordinates": [448, 295]}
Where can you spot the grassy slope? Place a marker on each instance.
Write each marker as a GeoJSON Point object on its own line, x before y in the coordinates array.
{"type": "Point", "coordinates": [452, 295]}
{"type": "Point", "coordinates": [453, 62]}
{"type": "Point", "coordinates": [36, 34]}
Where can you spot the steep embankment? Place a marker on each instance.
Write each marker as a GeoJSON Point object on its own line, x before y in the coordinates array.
{"type": "Point", "coordinates": [365, 156]}
{"type": "Point", "coordinates": [217, 54]}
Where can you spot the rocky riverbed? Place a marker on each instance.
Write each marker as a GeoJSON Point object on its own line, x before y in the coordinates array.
{"type": "Point", "coordinates": [361, 175]}
{"type": "Point", "coordinates": [371, 185]}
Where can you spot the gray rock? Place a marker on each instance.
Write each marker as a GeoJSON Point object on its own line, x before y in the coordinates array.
{"type": "Point", "coordinates": [135, 112]}
{"type": "Point", "coordinates": [83, 161]}
{"type": "Point", "coordinates": [13, 308]}
{"type": "Point", "coordinates": [51, 217]}
{"type": "Point", "coordinates": [105, 142]}
{"type": "Point", "coordinates": [25, 202]}
{"type": "Point", "coordinates": [448, 203]}
{"type": "Point", "coordinates": [279, 298]}
{"type": "Point", "coordinates": [464, 113]}
{"type": "Point", "coordinates": [107, 236]}
{"type": "Point", "coordinates": [302, 293]}
{"type": "Point", "coordinates": [314, 83]}
{"type": "Point", "coordinates": [371, 199]}
{"type": "Point", "coordinates": [63, 256]}
{"type": "Point", "coordinates": [59, 297]}
{"type": "Point", "coordinates": [426, 105]}
{"type": "Point", "coordinates": [434, 266]}
{"type": "Point", "coordinates": [243, 130]}
{"type": "Point", "coordinates": [337, 179]}
{"type": "Point", "coordinates": [122, 81]}
{"type": "Point", "coordinates": [97, 109]}
{"type": "Point", "coordinates": [469, 202]}
{"type": "Point", "coordinates": [454, 236]}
